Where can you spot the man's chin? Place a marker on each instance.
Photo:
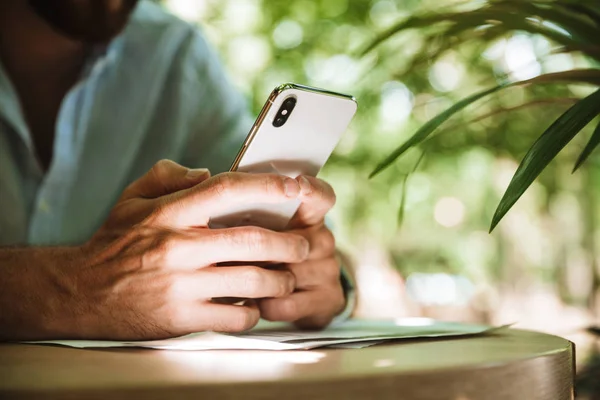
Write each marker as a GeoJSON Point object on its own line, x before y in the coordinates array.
{"type": "Point", "coordinates": [92, 21]}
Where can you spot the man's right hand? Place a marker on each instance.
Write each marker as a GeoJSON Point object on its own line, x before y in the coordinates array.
{"type": "Point", "coordinates": [150, 272]}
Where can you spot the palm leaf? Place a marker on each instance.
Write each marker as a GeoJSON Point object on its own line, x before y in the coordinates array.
{"type": "Point", "coordinates": [582, 29]}
{"type": "Point", "coordinates": [592, 14]}
{"type": "Point", "coordinates": [400, 217]}
{"type": "Point", "coordinates": [591, 76]}
{"type": "Point", "coordinates": [545, 149]}
{"type": "Point", "coordinates": [459, 21]}
{"type": "Point", "coordinates": [506, 15]}
{"type": "Point", "coordinates": [430, 126]}
{"type": "Point", "coordinates": [533, 103]}
{"type": "Point", "coordinates": [589, 147]}
{"type": "Point", "coordinates": [410, 23]}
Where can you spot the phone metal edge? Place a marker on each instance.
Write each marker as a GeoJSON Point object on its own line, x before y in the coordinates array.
{"type": "Point", "coordinates": [265, 110]}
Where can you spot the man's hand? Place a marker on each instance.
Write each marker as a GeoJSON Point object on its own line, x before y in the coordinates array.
{"type": "Point", "coordinates": [150, 272]}
{"type": "Point", "coordinates": [318, 296]}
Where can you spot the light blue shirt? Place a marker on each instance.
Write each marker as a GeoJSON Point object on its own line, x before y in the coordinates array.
{"type": "Point", "coordinates": [156, 91]}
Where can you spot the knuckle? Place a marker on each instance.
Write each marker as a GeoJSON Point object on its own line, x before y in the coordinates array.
{"type": "Point", "coordinates": [164, 244]}
{"type": "Point", "coordinates": [254, 238]}
{"type": "Point", "coordinates": [150, 258]}
{"type": "Point", "coordinates": [327, 193]}
{"type": "Point", "coordinates": [162, 165]}
{"type": "Point", "coordinates": [283, 285]}
{"type": "Point", "coordinates": [222, 184]}
{"type": "Point", "coordinates": [253, 278]}
{"type": "Point", "coordinates": [332, 198]}
{"type": "Point", "coordinates": [159, 214]}
{"type": "Point", "coordinates": [287, 283]}
{"type": "Point", "coordinates": [300, 248]}
{"type": "Point", "coordinates": [327, 240]}
{"type": "Point", "coordinates": [273, 185]}
{"type": "Point", "coordinates": [331, 269]}
{"type": "Point", "coordinates": [161, 169]}
{"type": "Point", "coordinates": [160, 250]}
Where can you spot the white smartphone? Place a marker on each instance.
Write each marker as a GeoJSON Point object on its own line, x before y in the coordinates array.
{"type": "Point", "coordinates": [294, 134]}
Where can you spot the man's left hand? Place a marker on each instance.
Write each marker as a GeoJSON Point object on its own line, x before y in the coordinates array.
{"type": "Point", "coordinates": [318, 296]}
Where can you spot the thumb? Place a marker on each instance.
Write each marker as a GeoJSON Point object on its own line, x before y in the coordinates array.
{"type": "Point", "coordinates": [165, 177]}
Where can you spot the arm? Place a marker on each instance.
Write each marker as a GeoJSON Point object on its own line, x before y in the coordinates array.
{"type": "Point", "coordinates": [32, 294]}
{"type": "Point", "coordinates": [146, 274]}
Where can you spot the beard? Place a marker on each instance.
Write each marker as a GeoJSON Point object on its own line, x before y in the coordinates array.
{"type": "Point", "coordinates": [92, 21]}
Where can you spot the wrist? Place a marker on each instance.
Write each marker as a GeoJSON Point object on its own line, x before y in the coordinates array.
{"type": "Point", "coordinates": [32, 300]}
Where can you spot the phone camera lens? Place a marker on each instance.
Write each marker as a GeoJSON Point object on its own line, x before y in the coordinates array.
{"type": "Point", "coordinates": [284, 112]}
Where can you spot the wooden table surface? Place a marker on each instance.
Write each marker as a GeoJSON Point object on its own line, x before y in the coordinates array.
{"type": "Point", "coordinates": [516, 364]}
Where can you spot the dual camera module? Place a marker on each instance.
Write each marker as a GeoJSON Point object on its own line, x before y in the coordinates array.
{"type": "Point", "coordinates": [284, 112]}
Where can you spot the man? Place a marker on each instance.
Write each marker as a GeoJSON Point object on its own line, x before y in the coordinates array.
{"type": "Point", "coordinates": [92, 94]}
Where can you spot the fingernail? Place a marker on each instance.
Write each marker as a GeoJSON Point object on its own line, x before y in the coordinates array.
{"type": "Point", "coordinates": [305, 185]}
{"type": "Point", "coordinates": [197, 173]}
{"type": "Point", "coordinates": [291, 187]}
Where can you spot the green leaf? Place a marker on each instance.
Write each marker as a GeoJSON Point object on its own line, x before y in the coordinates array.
{"type": "Point", "coordinates": [589, 147]}
{"type": "Point", "coordinates": [512, 16]}
{"type": "Point", "coordinates": [591, 76]}
{"type": "Point", "coordinates": [551, 101]}
{"type": "Point", "coordinates": [578, 28]}
{"type": "Point", "coordinates": [400, 217]}
{"type": "Point", "coordinates": [401, 208]}
{"type": "Point", "coordinates": [430, 126]}
{"type": "Point", "coordinates": [552, 141]}
{"type": "Point", "coordinates": [410, 23]}
{"type": "Point", "coordinates": [582, 29]}
{"type": "Point", "coordinates": [586, 75]}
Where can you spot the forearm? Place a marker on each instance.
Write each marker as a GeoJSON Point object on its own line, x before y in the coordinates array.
{"type": "Point", "coordinates": [31, 297]}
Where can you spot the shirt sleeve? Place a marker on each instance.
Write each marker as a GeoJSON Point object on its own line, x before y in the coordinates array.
{"type": "Point", "coordinates": [222, 116]}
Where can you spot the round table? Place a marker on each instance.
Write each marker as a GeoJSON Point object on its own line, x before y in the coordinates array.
{"type": "Point", "coordinates": [513, 364]}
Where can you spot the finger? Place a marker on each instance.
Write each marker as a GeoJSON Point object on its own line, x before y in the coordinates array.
{"type": "Point", "coordinates": [163, 178]}
{"type": "Point", "coordinates": [206, 316]}
{"type": "Point", "coordinates": [203, 247]}
{"type": "Point", "coordinates": [320, 239]}
{"type": "Point", "coordinates": [312, 274]}
{"type": "Point", "coordinates": [242, 282]}
{"type": "Point", "coordinates": [308, 306]}
{"type": "Point", "coordinates": [221, 193]}
{"type": "Point", "coordinates": [317, 198]}
{"type": "Point", "coordinates": [255, 244]}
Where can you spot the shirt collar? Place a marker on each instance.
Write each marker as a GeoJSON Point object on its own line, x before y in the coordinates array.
{"type": "Point", "coordinates": [10, 106]}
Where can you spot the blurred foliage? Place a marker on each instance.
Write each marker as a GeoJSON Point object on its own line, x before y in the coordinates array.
{"type": "Point", "coordinates": [573, 26]}
{"type": "Point", "coordinates": [548, 237]}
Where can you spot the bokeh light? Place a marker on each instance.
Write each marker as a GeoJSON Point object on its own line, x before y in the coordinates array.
{"type": "Point", "coordinates": [449, 212]}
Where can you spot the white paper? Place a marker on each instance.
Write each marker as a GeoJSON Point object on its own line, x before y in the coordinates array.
{"type": "Point", "coordinates": [350, 334]}
{"type": "Point", "coordinates": [359, 345]}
